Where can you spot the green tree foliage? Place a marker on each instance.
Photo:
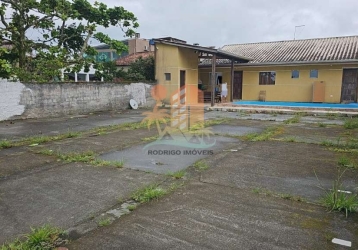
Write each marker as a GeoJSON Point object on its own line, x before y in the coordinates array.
{"type": "Point", "coordinates": [5, 67]}
{"type": "Point", "coordinates": [64, 29]}
{"type": "Point", "coordinates": [141, 69]}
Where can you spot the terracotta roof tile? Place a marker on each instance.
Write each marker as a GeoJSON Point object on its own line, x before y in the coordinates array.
{"type": "Point", "coordinates": [127, 60]}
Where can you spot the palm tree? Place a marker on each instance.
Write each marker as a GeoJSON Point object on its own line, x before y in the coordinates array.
{"type": "Point", "coordinates": [157, 116]}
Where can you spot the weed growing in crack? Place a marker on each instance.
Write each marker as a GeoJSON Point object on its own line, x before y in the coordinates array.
{"type": "Point", "coordinates": [118, 164]}
{"type": "Point", "coordinates": [5, 144]}
{"type": "Point", "coordinates": [45, 237]}
{"type": "Point", "coordinates": [351, 123]}
{"type": "Point", "coordinates": [132, 207]}
{"type": "Point", "coordinates": [278, 195]}
{"type": "Point", "coordinates": [148, 193]}
{"type": "Point", "coordinates": [295, 119]}
{"type": "Point", "coordinates": [345, 161]}
{"type": "Point", "coordinates": [104, 222]}
{"type": "Point", "coordinates": [322, 125]}
{"type": "Point", "coordinates": [201, 165]}
{"type": "Point", "coordinates": [337, 199]}
{"type": "Point", "coordinates": [85, 157]}
{"type": "Point", "coordinates": [290, 139]}
{"type": "Point", "coordinates": [153, 138]}
{"type": "Point", "coordinates": [177, 175]}
{"type": "Point", "coordinates": [266, 135]}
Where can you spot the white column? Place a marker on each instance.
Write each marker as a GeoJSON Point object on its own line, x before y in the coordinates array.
{"type": "Point", "coordinates": [75, 77]}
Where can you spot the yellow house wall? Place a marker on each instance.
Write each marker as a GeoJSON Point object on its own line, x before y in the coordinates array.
{"type": "Point", "coordinates": [286, 88]}
{"type": "Point", "coordinates": [172, 59]}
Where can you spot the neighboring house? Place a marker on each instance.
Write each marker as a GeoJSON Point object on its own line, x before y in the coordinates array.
{"type": "Point", "coordinates": [125, 61]}
{"type": "Point", "coordinates": [81, 76]}
{"type": "Point", "coordinates": [312, 70]}
{"type": "Point", "coordinates": [135, 45]}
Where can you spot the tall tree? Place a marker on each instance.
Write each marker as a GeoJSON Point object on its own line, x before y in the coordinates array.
{"type": "Point", "coordinates": [64, 28]}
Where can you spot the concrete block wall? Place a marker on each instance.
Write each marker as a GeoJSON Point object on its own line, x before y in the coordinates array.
{"type": "Point", "coordinates": [28, 100]}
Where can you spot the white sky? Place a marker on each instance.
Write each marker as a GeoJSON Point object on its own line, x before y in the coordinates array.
{"type": "Point", "coordinates": [220, 22]}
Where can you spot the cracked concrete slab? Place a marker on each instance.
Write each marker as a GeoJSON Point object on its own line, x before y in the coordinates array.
{"type": "Point", "coordinates": [17, 160]}
{"type": "Point", "coordinates": [154, 159]}
{"type": "Point", "coordinates": [64, 196]}
{"type": "Point", "coordinates": [54, 126]}
{"type": "Point", "coordinates": [234, 130]}
{"type": "Point", "coordinates": [100, 143]}
{"type": "Point", "coordinates": [205, 216]}
{"type": "Point", "coordinates": [284, 168]}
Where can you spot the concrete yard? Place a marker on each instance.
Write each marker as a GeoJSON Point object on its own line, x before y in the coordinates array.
{"type": "Point", "coordinates": [260, 189]}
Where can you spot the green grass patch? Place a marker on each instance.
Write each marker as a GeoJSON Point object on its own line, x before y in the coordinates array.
{"type": "Point", "coordinates": [5, 144]}
{"type": "Point", "coordinates": [278, 195]}
{"type": "Point", "coordinates": [48, 152]}
{"type": "Point", "coordinates": [336, 199]}
{"type": "Point", "coordinates": [201, 125]}
{"type": "Point", "coordinates": [332, 116]}
{"type": "Point", "coordinates": [152, 138]}
{"type": "Point", "coordinates": [104, 222]}
{"type": "Point", "coordinates": [347, 162]}
{"type": "Point", "coordinates": [177, 175]}
{"type": "Point", "coordinates": [351, 123]}
{"type": "Point", "coordinates": [43, 238]}
{"type": "Point", "coordinates": [132, 207]}
{"type": "Point", "coordinates": [289, 139]}
{"type": "Point", "coordinates": [85, 157]}
{"type": "Point", "coordinates": [148, 193]}
{"type": "Point", "coordinates": [118, 164]}
{"type": "Point", "coordinates": [322, 125]}
{"type": "Point", "coordinates": [295, 119]}
{"type": "Point", "coordinates": [201, 165]}
{"type": "Point", "coordinates": [266, 135]}
{"type": "Point", "coordinates": [339, 201]}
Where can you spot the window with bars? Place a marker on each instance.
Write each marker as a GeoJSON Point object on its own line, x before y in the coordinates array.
{"type": "Point", "coordinates": [267, 78]}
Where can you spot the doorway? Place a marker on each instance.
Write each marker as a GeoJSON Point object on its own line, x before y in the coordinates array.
{"type": "Point", "coordinates": [349, 85]}
{"type": "Point", "coordinates": [182, 78]}
{"type": "Point", "coordinates": [237, 86]}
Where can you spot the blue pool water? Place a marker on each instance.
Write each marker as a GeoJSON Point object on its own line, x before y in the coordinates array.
{"type": "Point", "coordinates": [300, 104]}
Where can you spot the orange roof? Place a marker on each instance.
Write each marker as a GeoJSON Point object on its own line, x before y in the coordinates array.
{"type": "Point", "coordinates": [127, 60]}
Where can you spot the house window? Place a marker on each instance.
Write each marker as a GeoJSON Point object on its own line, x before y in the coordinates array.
{"type": "Point", "coordinates": [295, 74]}
{"type": "Point", "coordinates": [168, 76]}
{"type": "Point", "coordinates": [314, 73]}
{"type": "Point", "coordinates": [267, 78]}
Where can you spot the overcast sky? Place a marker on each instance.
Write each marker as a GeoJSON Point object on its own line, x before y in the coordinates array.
{"type": "Point", "coordinates": [220, 22]}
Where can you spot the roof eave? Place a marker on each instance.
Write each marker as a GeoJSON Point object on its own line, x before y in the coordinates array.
{"type": "Point", "coordinates": [285, 63]}
{"type": "Point", "coordinates": [227, 55]}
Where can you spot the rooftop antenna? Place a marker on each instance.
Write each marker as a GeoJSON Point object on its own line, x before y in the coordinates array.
{"type": "Point", "coordinates": [294, 37]}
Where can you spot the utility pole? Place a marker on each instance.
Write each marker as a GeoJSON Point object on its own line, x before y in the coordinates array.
{"type": "Point", "coordinates": [294, 36]}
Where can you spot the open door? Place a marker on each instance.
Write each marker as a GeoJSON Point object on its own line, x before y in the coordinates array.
{"type": "Point", "coordinates": [349, 85]}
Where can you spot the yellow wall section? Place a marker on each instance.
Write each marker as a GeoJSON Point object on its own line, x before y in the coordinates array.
{"type": "Point", "coordinates": [286, 88]}
{"type": "Point", "coordinates": [172, 59]}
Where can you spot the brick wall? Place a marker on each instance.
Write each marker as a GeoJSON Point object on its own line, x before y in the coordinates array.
{"type": "Point", "coordinates": [25, 100]}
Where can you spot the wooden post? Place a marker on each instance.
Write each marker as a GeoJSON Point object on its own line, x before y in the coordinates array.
{"type": "Point", "coordinates": [213, 79]}
{"type": "Point", "coordinates": [232, 81]}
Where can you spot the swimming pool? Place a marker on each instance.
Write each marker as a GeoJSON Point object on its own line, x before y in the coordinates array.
{"type": "Point", "coordinates": [299, 104]}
